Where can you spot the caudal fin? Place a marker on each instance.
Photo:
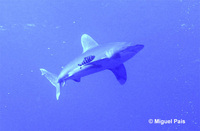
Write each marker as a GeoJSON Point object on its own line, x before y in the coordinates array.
{"type": "Point", "coordinates": [53, 79]}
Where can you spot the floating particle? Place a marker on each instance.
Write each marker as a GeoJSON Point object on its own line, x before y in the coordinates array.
{"type": "Point", "coordinates": [183, 25]}
{"type": "Point", "coordinates": [31, 25]}
{"type": "Point", "coordinates": [2, 28]}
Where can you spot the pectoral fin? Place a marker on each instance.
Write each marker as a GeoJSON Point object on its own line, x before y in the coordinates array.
{"type": "Point", "coordinates": [120, 73]}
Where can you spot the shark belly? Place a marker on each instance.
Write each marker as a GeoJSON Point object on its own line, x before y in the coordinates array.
{"type": "Point", "coordinates": [96, 67]}
{"type": "Point", "coordinates": [85, 72]}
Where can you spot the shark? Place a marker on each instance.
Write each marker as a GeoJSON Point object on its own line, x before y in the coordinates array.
{"type": "Point", "coordinates": [95, 58]}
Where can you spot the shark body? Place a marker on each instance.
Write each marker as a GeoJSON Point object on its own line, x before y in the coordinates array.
{"type": "Point", "coordinates": [95, 58]}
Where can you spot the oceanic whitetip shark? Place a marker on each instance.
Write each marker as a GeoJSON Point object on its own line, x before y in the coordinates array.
{"type": "Point", "coordinates": [95, 58]}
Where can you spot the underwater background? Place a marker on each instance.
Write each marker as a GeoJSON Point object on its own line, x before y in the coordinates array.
{"type": "Point", "coordinates": [163, 78]}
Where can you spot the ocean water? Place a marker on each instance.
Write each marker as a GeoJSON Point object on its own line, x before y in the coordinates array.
{"type": "Point", "coordinates": [162, 91]}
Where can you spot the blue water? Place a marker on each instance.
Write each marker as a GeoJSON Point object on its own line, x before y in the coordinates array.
{"type": "Point", "coordinates": [163, 78]}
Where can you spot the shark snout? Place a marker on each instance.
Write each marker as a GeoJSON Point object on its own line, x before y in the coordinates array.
{"type": "Point", "coordinates": [135, 48]}
{"type": "Point", "coordinates": [138, 47]}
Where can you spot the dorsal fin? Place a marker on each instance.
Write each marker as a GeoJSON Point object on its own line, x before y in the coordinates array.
{"type": "Point", "coordinates": [87, 42]}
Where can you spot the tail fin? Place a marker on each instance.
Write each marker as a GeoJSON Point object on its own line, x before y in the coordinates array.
{"type": "Point", "coordinates": [53, 79]}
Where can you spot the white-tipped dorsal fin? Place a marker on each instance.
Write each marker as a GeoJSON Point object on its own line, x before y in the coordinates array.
{"type": "Point", "coordinates": [87, 42]}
